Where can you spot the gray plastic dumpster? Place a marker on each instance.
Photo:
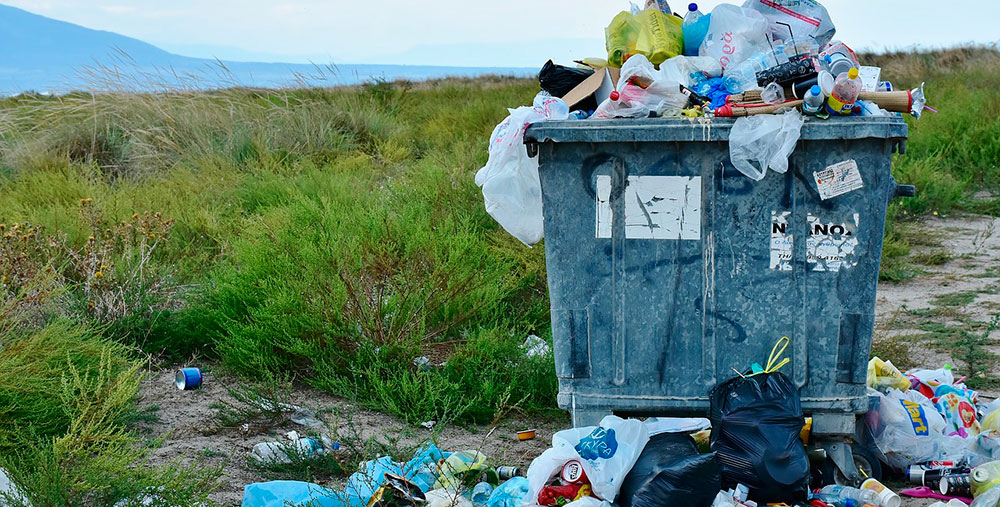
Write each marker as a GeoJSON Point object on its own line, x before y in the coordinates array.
{"type": "Point", "coordinates": [668, 268]}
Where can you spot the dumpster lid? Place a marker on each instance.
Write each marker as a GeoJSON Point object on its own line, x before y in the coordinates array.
{"type": "Point", "coordinates": [704, 129]}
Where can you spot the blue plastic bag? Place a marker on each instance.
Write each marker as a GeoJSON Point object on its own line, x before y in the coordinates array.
{"type": "Point", "coordinates": [509, 494]}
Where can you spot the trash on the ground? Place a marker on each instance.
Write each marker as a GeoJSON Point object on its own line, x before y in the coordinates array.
{"type": "Point", "coordinates": [657, 425]}
{"type": "Point", "coordinates": [606, 453]}
{"type": "Point", "coordinates": [534, 346]}
{"type": "Point", "coordinates": [756, 421]}
{"type": "Point", "coordinates": [954, 502]}
{"type": "Point", "coordinates": [670, 471]}
{"type": "Point", "coordinates": [836, 494]}
{"type": "Point", "coordinates": [509, 494]}
{"type": "Point", "coordinates": [526, 435]}
{"type": "Point", "coordinates": [445, 498]}
{"type": "Point", "coordinates": [428, 424]}
{"type": "Point", "coordinates": [187, 379]}
{"type": "Point", "coordinates": [306, 417]}
{"type": "Point", "coordinates": [282, 452]}
{"type": "Point", "coordinates": [509, 179]}
{"type": "Point", "coordinates": [282, 493]}
{"type": "Point", "coordinates": [988, 498]}
{"type": "Point", "coordinates": [929, 492]}
{"type": "Point", "coordinates": [10, 492]}
{"type": "Point", "coordinates": [455, 467]}
{"type": "Point", "coordinates": [506, 473]}
{"type": "Point", "coordinates": [762, 142]}
{"type": "Point", "coordinates": [885, 496]}
{"type": "Point", "coordinates": [422, 363]}
{"type": "Point", "coordinates": [985, 477]}
{"type": "Point", "coordinates": [397, 491]}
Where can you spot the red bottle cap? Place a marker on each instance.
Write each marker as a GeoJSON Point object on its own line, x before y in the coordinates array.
{"type": "Point", "coordinates": [615, 95]}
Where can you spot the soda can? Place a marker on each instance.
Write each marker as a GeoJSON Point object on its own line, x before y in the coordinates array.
{"type": "Point", "coordinates": [573, 473]}
{"type": "Point", "coordinates": [188, 379]}
{"type": "Point", "coordinates": [924, 475]}
{"type": "Point", "coordinates": [956, 485]}
{"type": "Point", "coordinates": [508, 473]}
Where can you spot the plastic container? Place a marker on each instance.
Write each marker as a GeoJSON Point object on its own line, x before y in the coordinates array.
{"type": "Point", "coordinates": [481, 494]}
{"type": "Point", "coordinates": [813, 100]}
{"type": "Point", "coordinates": [837, 494]}
{"type": "Point", "coordinates": [695, 28]}
{"type": "Point", "coordinates": [845, 93]}
{"type": "Point", "coordinates": [837, 64]}
{"type": "Point", "coordinates": [886, 496]}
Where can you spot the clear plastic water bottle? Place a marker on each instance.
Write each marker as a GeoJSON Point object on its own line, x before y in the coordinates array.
{"type": "Point", "coordinates": [481, 494]}
{"type": "Point", "coordinates": [695, 27]}
{"type": "Point", "coordinates": [836, 494]}
{"type": "Point", "coordinates": [845, 93]}
{"type": "Point", "coordinates": [813, 100]}
{"type": "Point", "coordinates": [743, 77]}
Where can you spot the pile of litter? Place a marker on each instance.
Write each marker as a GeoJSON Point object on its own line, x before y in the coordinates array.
{"type": "Point", "coordinates": [771, 65]}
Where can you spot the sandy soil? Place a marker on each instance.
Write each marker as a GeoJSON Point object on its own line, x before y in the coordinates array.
{"type": "Point", "coordinates": [185, 418]}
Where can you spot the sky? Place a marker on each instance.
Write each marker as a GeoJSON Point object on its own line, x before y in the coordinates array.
{"type": "Point", "coordinates": [453, 32]}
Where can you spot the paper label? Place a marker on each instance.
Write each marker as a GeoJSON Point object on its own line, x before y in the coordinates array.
{"type": "Point", "coordinates": [781, 241]}
{"type": "Point", "coordinates": [831, 246]}
{"type": "Point", "coordinates": [870, 77]}
{"type": "Point", "coordinates": [656, 207]}
{"type": "Point", "coordinates": [838, 179]}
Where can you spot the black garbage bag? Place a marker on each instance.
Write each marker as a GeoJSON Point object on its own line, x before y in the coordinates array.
{"type": "Point", "coordinates": [669, 473]}
{"type": "Point", "coordinates": [558, 80]}
{"type": "Point", "coordinates": [755, 435]}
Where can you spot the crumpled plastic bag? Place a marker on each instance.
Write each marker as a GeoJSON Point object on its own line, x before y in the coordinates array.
{"type": "Point", "coordinates": [909, 430]}
{"type": "Point", "coordinates": [882, 375]}
{"type": "Point", "coordinates": [735, 34]}
{"type": "Point", "coordinates": [607, 453]}
{"type": "Point", "coordinates": [509, 494]}
{"type": "Point", "coordinates": [764, 141]}
{"type": "Point", "coordinates": [991, 498]}
{"type": "Point", "coordinates": [511, 189]}
{"type": "Point", "coordinates": [690, 70]}
{"type": "Point", "coordinates": [959, 412]}
{"type": "Point", "coordinates": [928, 381]}
{"type": "Point", "coordinates": [807, 19]}
{"type": "Point", "coordinates": [642, 89]}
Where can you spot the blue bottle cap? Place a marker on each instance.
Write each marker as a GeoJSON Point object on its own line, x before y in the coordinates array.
{"type": "Point", "coordinates": [816, 90]}
{"type": "Point", "coordinates": [692, 7]}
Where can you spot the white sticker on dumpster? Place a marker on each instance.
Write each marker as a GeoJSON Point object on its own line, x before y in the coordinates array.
{"type": "Point", "coordinates": [781, 241]}
{"type": "Point", "coordinates": [831, 245]}
{"type": "Point", "coordinates": [656, 207]}
{"type": "Point", "coordinates": [838, 179]}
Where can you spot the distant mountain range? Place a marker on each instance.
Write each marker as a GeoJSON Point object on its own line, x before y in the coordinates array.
{"type": "Point", "coordinates": [46, 55]}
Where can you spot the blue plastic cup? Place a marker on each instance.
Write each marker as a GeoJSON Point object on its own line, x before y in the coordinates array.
{"type": "Point", "coordinates": [187, 379]}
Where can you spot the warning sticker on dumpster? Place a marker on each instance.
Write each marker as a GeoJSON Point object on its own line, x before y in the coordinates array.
{"type": "Point", "coordinates": [831, 245]}
{"type": "Point", "coordinates": [781, 241]}
{"type": "Point", "coordinates": [656, 207]}
{"type": "Point", "coordinates": [838, 179]}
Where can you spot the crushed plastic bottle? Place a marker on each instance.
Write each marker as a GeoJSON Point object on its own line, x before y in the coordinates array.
{"type": "Point", "coordinates": [743, 77]}
{"type": "Point", "coordinates": [695, 28]}
{"type": "Point", "coordinates": [773, 94]}
{"type": "Point", "coordinates": [845, 93]}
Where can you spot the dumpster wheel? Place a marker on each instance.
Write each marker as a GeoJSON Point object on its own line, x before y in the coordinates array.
{"type": "Point", "coordinates": [866, 461]}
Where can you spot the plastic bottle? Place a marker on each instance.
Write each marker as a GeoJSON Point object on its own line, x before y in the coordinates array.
{"type": "Point", "coordinates": [813, 100]}
{"type": "Point", "coordinates": [695, 28]}
{"type": "Point", "coordinates": [845, 93]}
{"type": "Point", "coordinates": [836, 494]}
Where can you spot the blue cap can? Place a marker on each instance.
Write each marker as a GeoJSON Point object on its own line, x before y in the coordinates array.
{"type": "Point", "coordinates": [187, 379]}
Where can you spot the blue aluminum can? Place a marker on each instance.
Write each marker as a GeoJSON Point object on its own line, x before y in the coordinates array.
{"type": "Point", "coordinates": [188, 379]}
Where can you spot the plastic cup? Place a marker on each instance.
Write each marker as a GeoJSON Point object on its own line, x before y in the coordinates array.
{"type": "Point", "coordinates": [886, 496]}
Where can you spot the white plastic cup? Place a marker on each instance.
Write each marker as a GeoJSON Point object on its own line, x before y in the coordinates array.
{"type": "Point", "coordinates": [886, 496]}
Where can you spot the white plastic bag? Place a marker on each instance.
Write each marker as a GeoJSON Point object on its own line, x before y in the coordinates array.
{"type": "Point", "coordinates": [643, 89]}
{"type": "Point", "coordinates": [734, 34]}
{"type": "Point", "coordinates": [509, 179]}
{"type": "Point", "coordinates": [681, 68]}
{"type": "Point", "coordinates": [910, 430]}
{"type": "Point", "coordinates": [607, 453]}
{"type": "Point", "coordinates": [765, 140]}
{"type": "Point", "coordinates": [807, 19]}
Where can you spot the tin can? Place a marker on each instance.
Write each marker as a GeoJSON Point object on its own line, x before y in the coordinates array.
{"type": "Point", "coordinates": [508, 473]}
{"type": "Point", "coordinates": [188, 379]}
{"type": "Point", "coordinates": [925, 475]}
{"type": "Point", "coordinates": [572, 472]}
{"type": "Point", "coordinates": [955, 485]}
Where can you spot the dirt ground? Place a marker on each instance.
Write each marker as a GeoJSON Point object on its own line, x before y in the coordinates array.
{"type": "Point", "coordinates": [969, 275]}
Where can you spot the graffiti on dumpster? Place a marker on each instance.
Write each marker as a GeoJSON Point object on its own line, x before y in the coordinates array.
{"type": "Point", "coordinates": [656, 207]}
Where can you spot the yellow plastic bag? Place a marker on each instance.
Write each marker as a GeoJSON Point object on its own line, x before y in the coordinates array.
{"type": "Point", "coordinates": [455, 467]}
{"type": "Point", "coordinates": [652, 33]}
{"type": "Point", "coordinates": [620, 38]}
{"type": "Point", "coordinates": [883, 375]}
{"type": "Point", "coordinates": [660, 36]}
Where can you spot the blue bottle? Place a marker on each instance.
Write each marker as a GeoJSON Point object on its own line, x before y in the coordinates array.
{"type": "Point", "coordinates": [695, 27]}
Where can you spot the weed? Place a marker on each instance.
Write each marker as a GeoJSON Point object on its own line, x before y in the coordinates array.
{"type": "Point", "coordinates": [955, 299]}
{"type": "Point", "coordinates": [895, 349]}
{"type": "Point", "coordinates": [933, 258]}
{"type": "Point", "coordinates": [256, 407]}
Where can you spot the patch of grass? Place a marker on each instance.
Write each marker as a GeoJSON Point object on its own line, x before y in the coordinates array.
{"type": "Point", "coordinates": [260, 405]}
{"type": "Point", "coordinates": [896, 349]}
{"type": "Point", "coordinates": [955, 299]}
{"type": "Point", "coordinates": [933, 258]}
